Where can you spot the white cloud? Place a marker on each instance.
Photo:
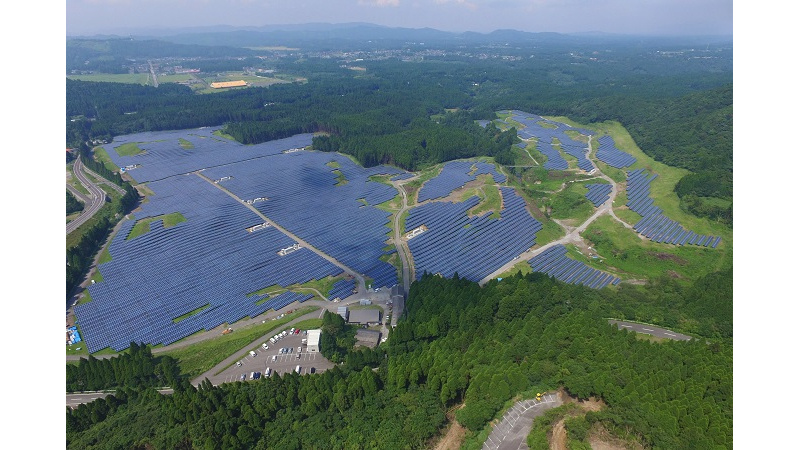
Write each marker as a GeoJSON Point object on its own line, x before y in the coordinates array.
{"type": "Point", "coordinates": [379, 2]}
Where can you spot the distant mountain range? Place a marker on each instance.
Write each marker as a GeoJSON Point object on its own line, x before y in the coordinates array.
{"type": "Point", "coordinates": [343, 33]}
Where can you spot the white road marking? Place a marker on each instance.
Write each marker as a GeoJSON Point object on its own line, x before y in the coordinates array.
{"type": "Point", "coordinates": [647, 329]}
{"type": "Point", "coordinates": [626, 326]}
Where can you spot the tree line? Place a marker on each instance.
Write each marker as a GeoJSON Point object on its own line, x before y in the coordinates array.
{"type": "Point", "coordinates": [459, 344]}
{"type": "Point", "coordinates": [133, 369]}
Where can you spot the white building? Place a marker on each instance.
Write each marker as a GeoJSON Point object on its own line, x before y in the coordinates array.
{"type": "Point", "coordinates": [313, 340]}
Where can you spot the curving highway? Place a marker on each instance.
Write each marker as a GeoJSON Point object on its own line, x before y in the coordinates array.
{"type": "Point", "coordinates": [98, 198]}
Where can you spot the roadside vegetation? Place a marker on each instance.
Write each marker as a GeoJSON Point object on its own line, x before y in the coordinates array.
{"type": "Point", "coordinates": [203, 356]}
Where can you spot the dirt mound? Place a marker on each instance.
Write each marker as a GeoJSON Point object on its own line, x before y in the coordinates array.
{"type": "Point", "coordinates": [668, 257]}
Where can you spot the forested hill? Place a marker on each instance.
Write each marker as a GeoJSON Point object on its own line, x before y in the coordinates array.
{"type": "Point", "coordinates": [459, 343]}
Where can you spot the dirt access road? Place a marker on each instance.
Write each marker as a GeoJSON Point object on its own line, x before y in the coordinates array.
{"type": "Point", "coordinates": [573, 235]}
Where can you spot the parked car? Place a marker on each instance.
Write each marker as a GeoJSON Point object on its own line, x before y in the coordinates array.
{"type": "Point", "coordinates": [252, 353]}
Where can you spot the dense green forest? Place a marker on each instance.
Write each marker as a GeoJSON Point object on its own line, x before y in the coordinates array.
{"type": "Point", "coordinates": [459, 343]}
{"type": "Point", "coordinates": [135, 368]}
{"type": "Point", "coordinates": [73, 205]}
{"type": "Point", "coordinates": [679, 111]}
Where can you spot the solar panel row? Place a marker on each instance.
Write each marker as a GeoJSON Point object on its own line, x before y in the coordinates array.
{"type": "Point", "coordinates": [546, 132]}
{"type": "Point", "coordinates": [455, 174]}
{"type": "Point", "coordinates": [598, 193]}
{"type": "Point", "coordinates": [210, 263]}
{"type": "Point", "coordinates": [654, 225]}
{"type": "Point", "coordinates": [472, 246]}
{"type": "Point", "coordinates": [611, 155]}
{"type": "Point", "coordinates": [342, 289]}
{"type": "Point", "coordinates": [555, 262]}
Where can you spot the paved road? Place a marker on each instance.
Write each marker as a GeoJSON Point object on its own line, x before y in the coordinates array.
{"type": "Point", "coordinates": [651, 330]}
{"type": "Point", "coordinates": [512, 432]}
{"type": "Point", "coordinates": [75, 399]}
{"type": "Point", "coordinates": [402, 248]}
{"type": "Point", "coordinates": [98, 198]}
{"type": "Point", "coordinates": [153, 73]}
{"type": "Point", "coordinates": [102, 180]}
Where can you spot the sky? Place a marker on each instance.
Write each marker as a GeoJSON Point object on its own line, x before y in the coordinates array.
{"type": "Point", "coordinates": [648, 17]}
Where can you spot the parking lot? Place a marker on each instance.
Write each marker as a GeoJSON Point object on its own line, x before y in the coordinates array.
{"type": "Point", "coordinates": [279, 362]}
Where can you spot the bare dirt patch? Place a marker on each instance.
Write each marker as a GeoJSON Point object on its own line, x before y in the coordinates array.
{"type": "Point", "coordinates": [454, 436]}
{"type": "Point", "coordinates": [600, 439]}
{"type": "Point", "coordinates": [668, 257]}
{"type": "Point", "coordinates": [558, 437]}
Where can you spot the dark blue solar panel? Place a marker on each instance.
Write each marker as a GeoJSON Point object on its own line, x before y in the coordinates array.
{"type": "Point", "coordinates": [555, 262]}
{"type": "Point", "coordinates": [653, 224]}
{"type": "Point", "coordinates": [611, 155]}
{"type": "Point", "coordinates": [211, 260]}
{"type": "Point", "coordinates": [472, 246]}
{"type": "Point", "coordinates": [598, 193]}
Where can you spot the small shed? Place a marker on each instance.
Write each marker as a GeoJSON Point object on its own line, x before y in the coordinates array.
{"type": "Point", "coordinates": [313, 340]}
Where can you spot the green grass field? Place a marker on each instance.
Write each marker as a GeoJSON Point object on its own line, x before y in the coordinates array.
{"type": "Point", "coordinates": [143, 226]}
{"type": "Point", "coordinates": [219, 133]}
{"type": "Point", "coordinates": [129, 149]}
{"type": "Point", "coordinates": [130, 78]}
{"type": "Point", "coordinates": [491, 200]}
{"type": "Point", "coordinates": [186, 145]}
{"type": "Point", "coordinates": [625, 251]}
{"type": "Point", "coordinates": [101, 155]}
{"type": "Point", "coordinates": [201, 357]}
{"type": "Point", "coordinates": [341, 180]}
{"type": "Point", "coordinates": [571, 203]}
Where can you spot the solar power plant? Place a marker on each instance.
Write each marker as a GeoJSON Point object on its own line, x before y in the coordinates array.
{"type": "Point", "coordinates": [307, 198]}
{"type": "Point", "coordinates": [598, 193]}
{"type": "Point", "coordinates": [342, 289]}
{"type": "Point", "coordinates": [210, 261]}
{"type": "Point", "coordinates": [472, 246]}
{"type": "Point", "coordinates": [608, 152]}
{"type": "Point", "coordinates": [555, 262]}
{"type": "Point", "coordinates": [654, 225]}
{"type": "Point", "coordinates": [455, 174]}
{"type": "Point", "coordinates": [554, 159]}
{"type": "Point", "coordinates": [163, 155]}
{"type": "Point", "coordinates": [546, 135]}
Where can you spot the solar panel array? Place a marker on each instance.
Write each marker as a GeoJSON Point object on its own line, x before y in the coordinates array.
{"type": "Point", "coordinates": [598, 193]}
{"type": "Point", "coordinates": [608, 152]}
{"type": "Point", "coordinates": [304, 198]}
{"type": "Point", "coordinates": [455, 174]}
{"type": "Point", "coordinates": [555, 262]}
{"type": "Point", "coordinates": [546, 135]}
{"type": "Point", "coordinates": [342, 289]}
{"type": "Point", "coordinates": [654, 225]}
{"type": "Point", "coordinates": [208, 260]}
{"type": "Point", "coordinates": [163, 155]}
{"type": "Point", "coordinates": [472, 246]}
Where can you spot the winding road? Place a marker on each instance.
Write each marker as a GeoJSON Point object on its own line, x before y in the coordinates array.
{"type": "Point", "coordinates": [573, 235]}
{"type": "Point", "coordinates": [98, 197]}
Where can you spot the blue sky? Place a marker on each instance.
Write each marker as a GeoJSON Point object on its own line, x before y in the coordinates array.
{"type": "Point", "coordinates": [660, 17]}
